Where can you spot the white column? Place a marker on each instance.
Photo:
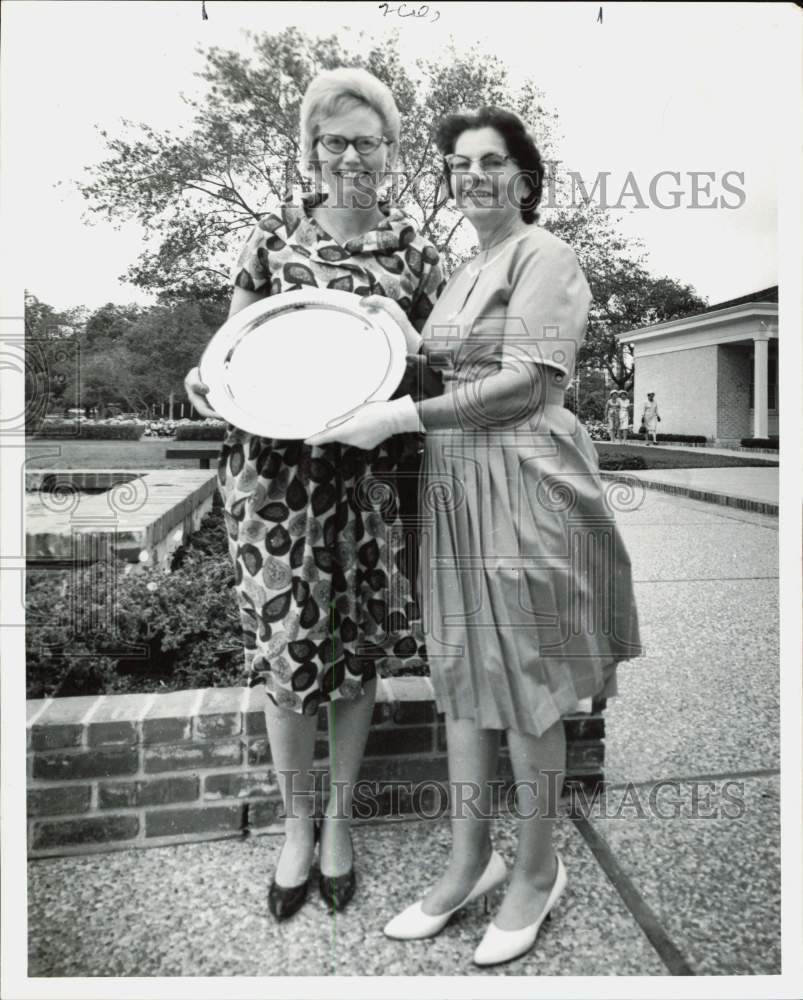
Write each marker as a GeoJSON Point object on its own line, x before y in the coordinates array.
{"type": "Point", "coordinates": [760, 364]}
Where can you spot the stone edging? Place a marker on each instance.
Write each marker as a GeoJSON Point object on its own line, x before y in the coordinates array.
{"type": "Point", "coordinates": [708, 496]}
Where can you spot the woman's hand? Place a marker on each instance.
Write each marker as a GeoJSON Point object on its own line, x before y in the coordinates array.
{"type": "Point", "coordinates": [196, 393]}
{"type": "Point", "coordinates": [372, 423]}
{"type": "Point", "coordinates": [373, 303]}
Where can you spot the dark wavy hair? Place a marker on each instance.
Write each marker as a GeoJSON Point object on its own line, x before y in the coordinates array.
{"type": "Point", "coordinates": [520, 147]}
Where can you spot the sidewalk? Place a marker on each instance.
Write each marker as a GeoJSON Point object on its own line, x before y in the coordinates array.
{"type": "Point", "coordinates": [664, 879]}
{"type": "Point", "coordinates": [752, 488]}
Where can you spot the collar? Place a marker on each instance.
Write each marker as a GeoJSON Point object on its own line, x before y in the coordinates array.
{"type": "Point", "coordinates": [395, 232]}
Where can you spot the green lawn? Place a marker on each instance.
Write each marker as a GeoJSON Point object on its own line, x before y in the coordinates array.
{"type": "Point", "coordinates": [139, 455]}
{"type": "Point", "coordinates": [675, 458]}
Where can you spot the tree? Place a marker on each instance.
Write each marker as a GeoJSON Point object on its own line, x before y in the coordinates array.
{"type": "Point", "coordinates": [165, 342]}
{"type": "Point", "coordinates": [198, 191]}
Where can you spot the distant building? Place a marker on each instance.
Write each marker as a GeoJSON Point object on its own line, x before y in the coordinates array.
{"type": "Point", "coordinates": [713, 373]}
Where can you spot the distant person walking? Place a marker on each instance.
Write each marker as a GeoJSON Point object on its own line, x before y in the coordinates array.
{"type": "Point", "coordinates": [612, 414]}
{"type": "Point", "coordinates": [650, 418]}
{"type": "Point", "coordinates": [624, 415]}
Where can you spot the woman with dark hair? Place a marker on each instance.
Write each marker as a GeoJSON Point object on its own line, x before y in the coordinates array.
{"type": "Point", "coordinates": [528, 587]}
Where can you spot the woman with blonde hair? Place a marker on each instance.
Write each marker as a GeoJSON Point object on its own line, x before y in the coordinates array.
{"type": "Point", "coordinates": [312, 561]}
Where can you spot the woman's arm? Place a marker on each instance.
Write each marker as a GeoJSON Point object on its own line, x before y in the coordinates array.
{"type": "Point", "coordinates": [241, 298]}
{"type": "Point", "coordinates": [546, 313]}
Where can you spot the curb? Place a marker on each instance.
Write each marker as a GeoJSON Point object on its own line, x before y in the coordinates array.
{"type": "Point", "coordinates": [708, 496]}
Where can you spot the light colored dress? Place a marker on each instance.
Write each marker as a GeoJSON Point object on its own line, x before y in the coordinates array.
{"type": "Point", "coordinates": [525, 582]}
{"type": "Point", "coordinates": [624, 414]}
{"type": "Point", "coordinates": [649, 417]}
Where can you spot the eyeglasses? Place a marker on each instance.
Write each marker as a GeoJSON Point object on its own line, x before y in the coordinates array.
{"type": "Point", "coordinates": [491, 163]}
{"type": "Point", "coordinates": [362, 143]}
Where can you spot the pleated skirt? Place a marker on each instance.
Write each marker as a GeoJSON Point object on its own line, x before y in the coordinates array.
{"type": "Point", "coordinates": [525, 581]}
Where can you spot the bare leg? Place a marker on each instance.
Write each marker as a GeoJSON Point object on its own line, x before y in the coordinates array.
{"type": "Point", "coordinates": [349, 722]}
{"type": "Point", "coordinates": [292, 745]}
{"type": "Point", "coordinates": [472, 766]}
{"type": "Point", "coordinates": [539, 763]}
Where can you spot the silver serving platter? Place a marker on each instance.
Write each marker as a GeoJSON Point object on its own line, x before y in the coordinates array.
{"type": "Point", "coordinates": [291, 364]}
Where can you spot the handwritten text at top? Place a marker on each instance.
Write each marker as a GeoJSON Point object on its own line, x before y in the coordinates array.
{"type": "Point", "coordinates": [410, 10]}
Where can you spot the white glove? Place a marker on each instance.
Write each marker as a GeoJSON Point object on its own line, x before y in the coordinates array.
{"type": "Point", "coordinates": [376, 303]}
{"type": "Point", "coordinates": [372, 423]}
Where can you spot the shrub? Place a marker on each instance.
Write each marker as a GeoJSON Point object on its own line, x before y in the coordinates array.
{"type": "Point", "coordinates": [625, 463]}
{"type": "Point", "coordinates": [86, 430]}
{"type": "Point", "coordinates": [212, 431]}
{"type": "Point", "coordinates": [187, 623]}
{"type": "Point", "coordinates": [677, 438]}
{"type": "Point", "coordinates": [769, 443]}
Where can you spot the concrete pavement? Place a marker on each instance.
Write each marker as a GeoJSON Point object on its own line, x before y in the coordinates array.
{"type": "Point", "coordinates": [674, 871]}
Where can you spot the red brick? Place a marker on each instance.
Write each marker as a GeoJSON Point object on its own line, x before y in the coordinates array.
{"type": "Point", "coordinates": [166, 730]}
{"type": "Point", "coordinates": [85, 764]}
{"type": "Point", "coordinates": [581, 755]}
{"type": "Point", "coordinates": [64, 716]}
{"type": "Point", "coordinates": [253, 709]}
{"type": "Point", "coordinates": [589, 727]}
{"type": "Point", "coordinates": [398, 740]}
{"type": "Point", "coordinates": [258, 753]}
{"type": "Point", "coordinates": [57, 801]}
{"type": "Point", "coordinates": [157, 791]}
{"type": "Point", "coordinates": [239, 785]}
{"type": "Point", "coordinates": [56, 737]}
{"type": "Point", "coordinates": [171, 822]}
{"type": "Point", "coordinates": [255, 724]}
{"type": "Point", "coordinates": [112, 734]}
{"type": "Point", "coordinates": [404, 713]}
{"type": "Point", "coordinates": [169, 719]}
{"type": "Point", "coordinates": [219, 714]}
{"type": "Point", "coordinates": [420, 767]}
{"type": "Point", "coordinates": [180, 757]}
{"type": "Point", "coordinates": [265, 812]}
{"type": "Point", "coordinates": [92, 830]}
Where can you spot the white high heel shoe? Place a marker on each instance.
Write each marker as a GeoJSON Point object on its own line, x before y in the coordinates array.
{"type": "Point", "coordinates": [413, 923]}
{"type": "Point", "coordinates": [502, 946]}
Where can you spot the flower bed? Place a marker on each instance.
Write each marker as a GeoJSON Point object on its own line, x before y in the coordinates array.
{"type": "Point", "coordinates": [207, 430]}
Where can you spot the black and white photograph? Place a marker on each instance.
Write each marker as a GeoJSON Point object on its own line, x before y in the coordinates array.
{"type": "Point", "coordinates": [400, 499]}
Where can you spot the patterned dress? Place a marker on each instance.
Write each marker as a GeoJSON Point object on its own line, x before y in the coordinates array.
{"type": "Point", "coordinates": [324, 571]}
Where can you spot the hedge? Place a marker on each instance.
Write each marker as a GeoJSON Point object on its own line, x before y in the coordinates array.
{"type": "Point", "coordinates": [201, 432]}
{"type": "Point", "coordinates": [771, 443]}
{"type": "Point", "coordinates": [677, 438]}
{"type": "Point", "coordinates": [86, 431]}
{"type": "Point", "coordinates": [627, 463]}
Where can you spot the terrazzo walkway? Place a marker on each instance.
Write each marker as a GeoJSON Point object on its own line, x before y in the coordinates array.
{"type": "Point", "coordinates": [675, 871]}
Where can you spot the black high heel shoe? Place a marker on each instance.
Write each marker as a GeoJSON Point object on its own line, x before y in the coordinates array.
{"type": "Point", "coordinates": [284, 901]}
{"type": "Point", "coordinates": [337, 890]}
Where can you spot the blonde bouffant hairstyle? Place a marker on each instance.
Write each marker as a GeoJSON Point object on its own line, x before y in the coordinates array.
{"type": "Point", "coordinates": [341, 89]}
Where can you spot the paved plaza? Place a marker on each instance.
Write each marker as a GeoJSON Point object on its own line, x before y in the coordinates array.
{"type": "Point", "coordinates": [674, 871]}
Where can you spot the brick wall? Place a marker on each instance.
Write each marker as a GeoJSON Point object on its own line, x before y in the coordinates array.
{"type": "Point", "coordinates": [685, 387]}
{"type": "Point", "coordinates": [125, 771]}
{"type": "Point", "coordinates": [734, 368]}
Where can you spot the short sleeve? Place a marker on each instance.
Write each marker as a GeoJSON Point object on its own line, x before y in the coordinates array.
{"type": "Point", "coordinates": [547, 312]}
{"type": "Point", "coordinates": [429, 288]}
{"type": "Point", "coordinates": [251, 269]}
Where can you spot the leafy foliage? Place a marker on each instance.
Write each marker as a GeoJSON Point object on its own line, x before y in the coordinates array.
{"type": "Point", "coordinates": [197, 191]}
{"type": "Point", "coordinates": [185, 623]}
